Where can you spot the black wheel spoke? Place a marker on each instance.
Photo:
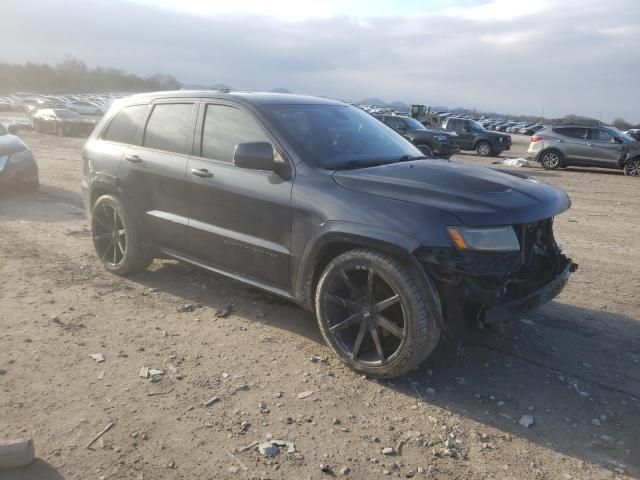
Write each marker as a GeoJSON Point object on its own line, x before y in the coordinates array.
{"type": "Point", "coordinates": [120, 247]}
{"type": "Point", "coordinates": [106, 250]}
{"type": "Point", "coordinates": [370, 285]}
{"type": "Point", "coordinates": [348, 322]}
{"type": "Point", "coordinates": [390, 327]}
{"type": "Point", "coordinates": [358, 342]}
{"type": "Point", "coordinates": [387, 303]}
{"type": "Point", "coordinates": [102, 236]}
{"type": "Point", "coordinates": [101, 222]}
{"type": "Point", "coordinates": [341, 301]}
{"type": "Point", "coordinates": [115, 252]}
{"type": "Point", "coordinates": [376, 341]}
{"type": "Point", "coordinates": [350, 285]}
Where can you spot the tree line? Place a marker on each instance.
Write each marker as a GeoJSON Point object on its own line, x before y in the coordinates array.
{"type": "Point", "coordinates": [74, 76]}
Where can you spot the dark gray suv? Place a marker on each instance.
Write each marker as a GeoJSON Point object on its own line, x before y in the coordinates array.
{"type": "Point", "coordinates": [318, 202]}
{"type": "Point", "coordinates": [585, 146]}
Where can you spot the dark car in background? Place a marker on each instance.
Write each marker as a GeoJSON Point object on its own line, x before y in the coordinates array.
{"type": "Point", "coordinates": [634, 133]}
{"type": "Point", "coordinates": [18, 168]}
{"type": "Point", "coordinates": [433, 142]}
{"type": "Point", "coordinates": [318, 202]}
{"type": "Point", "coordinates": [585, 146]}
{"type": "Point", "coordinates": [531, 129]}
{"type": "Point", "coordinates": [472, 136]}
{"type": "Point", "coordinates": [61, 121]}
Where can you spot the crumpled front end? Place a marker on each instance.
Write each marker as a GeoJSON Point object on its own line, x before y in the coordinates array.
{"type": "Point", "coordinates": [489, 288]}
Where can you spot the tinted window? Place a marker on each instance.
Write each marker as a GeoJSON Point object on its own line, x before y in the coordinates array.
{"type": "Point", "coordinates": [127, 125]}
{"type": "Point", "coordinates": [573, 132]}
{"type": "Point", "coordinates": [394, 122]}
{"type": "Point", "coordinates": [168, 127]}
{"type": "Point", "coordinates": [224, 128]}
{"type": "Point", "coordinates": [338, 136]}
{"type": "Point", "coordinates": [600, 135]}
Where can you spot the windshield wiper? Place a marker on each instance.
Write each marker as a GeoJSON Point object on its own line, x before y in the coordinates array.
{"type": "Point", "coordinates": [408, 158]}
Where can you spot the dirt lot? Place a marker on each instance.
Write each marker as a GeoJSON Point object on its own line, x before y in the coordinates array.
{"type": "Point", "coordinates": [574, 365]}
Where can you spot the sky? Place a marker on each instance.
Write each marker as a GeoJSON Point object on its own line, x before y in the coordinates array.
{"type": "Point", "coordinates": [508, 56]}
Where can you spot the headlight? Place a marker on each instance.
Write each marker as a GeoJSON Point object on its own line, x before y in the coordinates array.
{"type": "Point", "coordinates": [441, 138]}
{"type": "Point", "coordinates": [488, 239]}
{"type": "Point", "coordinates": [20, 156]}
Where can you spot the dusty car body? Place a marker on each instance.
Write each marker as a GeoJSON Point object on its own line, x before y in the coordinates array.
{"type": "Point", "coordinates": [61, 121]}
{"type": "Point", "coordinates": [318, 202]}
{"type": "Point", "coordinates": [18, 168]}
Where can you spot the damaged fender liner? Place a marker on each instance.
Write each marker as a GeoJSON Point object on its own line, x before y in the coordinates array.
{"type": "Point", "coordinates": [548, 292]}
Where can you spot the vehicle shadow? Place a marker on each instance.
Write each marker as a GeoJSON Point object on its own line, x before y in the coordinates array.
{"type": "Point", "coordinates": [574, 370]}
{"type": "Point", "coordinates": [46, 204]}
{"type": "Point", "coordinates": [36, 470]}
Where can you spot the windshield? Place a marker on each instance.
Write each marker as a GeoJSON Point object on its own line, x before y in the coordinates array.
{"type": "Point", "coordinates": [66, 114]}
{"type": "Point", "coordinates": [414, 124]}
{"type": "Point", "coordinates": [623, 136]}
{"type": "Point", "coordinates": [339, 136]}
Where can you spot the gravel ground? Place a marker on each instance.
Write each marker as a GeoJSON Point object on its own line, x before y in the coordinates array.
{"type": "Point", "coordinates": [572, 366]}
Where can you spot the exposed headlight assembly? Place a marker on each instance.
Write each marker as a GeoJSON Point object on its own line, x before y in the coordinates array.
{"type": "Point", "coordinates": [21, 156]}
{"type": "Point", "coordinates": [485, 239]}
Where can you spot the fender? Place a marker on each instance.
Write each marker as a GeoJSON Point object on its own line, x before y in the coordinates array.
{"type": "Point", "coordinates": [335, 232]}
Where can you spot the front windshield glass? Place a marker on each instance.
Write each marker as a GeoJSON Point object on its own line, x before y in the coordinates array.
{"type": "Point", "coordinates": [414, 124]}
{"type": "Point", "coordinates": [623, 136]}
{"type": "Point", "coordinates": [339, 136]}
{"type": "Point", "coordinates": [66, 114]}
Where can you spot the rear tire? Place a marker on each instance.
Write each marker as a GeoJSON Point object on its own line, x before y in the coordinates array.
{"type": "Point", "coordinates": [385, 326]}
{"type": "Point", "coordinates": [551, 159]}
{"type": "Point", "coordinates": [483, 148]}
{"type": "Point", "coordinates": [632, 168]}
{"type": "Point", "coordinates": [117, 236]}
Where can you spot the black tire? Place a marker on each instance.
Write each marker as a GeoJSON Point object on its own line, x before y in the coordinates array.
{"type": "Point", "coordinates": [551, 159]}
{"type": "Point", "coordinates": [406, 334]}
{"type": "Point", "coordinates": [483, 148]}
{"type": "Point", "coordinates": [426, 150]}
{"type": "Point", "coordinates": [117, 236]}
{"type": "Point", "coordinates": [632, 168]}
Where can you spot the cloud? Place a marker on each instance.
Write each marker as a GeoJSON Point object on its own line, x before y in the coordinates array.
{"type": "Point", "coordinates": [573, 56]}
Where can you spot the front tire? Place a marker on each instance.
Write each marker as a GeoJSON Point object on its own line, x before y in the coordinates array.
{"type": "Point", "coordinates": [551, 159]}
{"type": "Point", "coordinates": [426, 150]}
{"type": "Point", "coordinates": [117, 236]}
{"type": "Point", "coordinates": [373, 314]}
{"type": "Point", "coordinates": [483, 148]}
{"type": "Point", "coordinates": [632, 168]}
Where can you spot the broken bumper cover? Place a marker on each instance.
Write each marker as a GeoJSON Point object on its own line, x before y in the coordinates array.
{"type": "Point", "coordinates": [499, 314]}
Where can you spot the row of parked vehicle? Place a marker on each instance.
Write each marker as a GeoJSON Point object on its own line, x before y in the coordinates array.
{"type": "Point", "coordinates": [83, 104]}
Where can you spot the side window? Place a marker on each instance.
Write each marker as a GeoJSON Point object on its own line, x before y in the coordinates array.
{"type": "Point", "coordinates": [393, 122]}
{"type": "Point", "coordinates": [224, 128]}
{"type": "Point", "coordinates": [600, 135]}
{"type": "Point", "coordinates": [572, 132]}
{"type": "Point", "coordinates": [127, 125]}
{"type": "Point", "coordinates": [168, 127]}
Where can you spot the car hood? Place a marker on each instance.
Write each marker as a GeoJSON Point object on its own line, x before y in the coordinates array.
{"type": "Point", "coordinates": [10, 144]}
{"type": "Point", "coordinates": [476, 195]}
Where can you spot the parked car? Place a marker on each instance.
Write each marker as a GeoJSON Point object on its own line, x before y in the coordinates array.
{"type": "Point", "coordinates": [61, 121]}
{"type": "Point", "coordinates": [432, 142]}
{"type": "Point", "coordinates": [586, 146]}
{"type": "Point", "coordinates": [318, 202]}
{"type": "Point", "coordinates": [85, 108]}
{"type": "Point", "coordinates": [634, 133]}
{"type": "Point", "coordinates": [473, 137]}
{"type": "Point", "coordinates": [530, 130]}
{"type": "Point", "coordinates": [18, 168]}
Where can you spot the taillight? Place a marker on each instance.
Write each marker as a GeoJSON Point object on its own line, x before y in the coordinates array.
{"type": "Point", "coordinates": [536, 138]}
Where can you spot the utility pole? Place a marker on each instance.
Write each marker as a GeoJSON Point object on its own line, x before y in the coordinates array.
{"type": "Point", "coordinates": [542, 115]}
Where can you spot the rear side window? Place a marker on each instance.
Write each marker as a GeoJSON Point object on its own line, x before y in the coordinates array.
{"type": "Point", "coordinates": [224, 128]}
{"type": "Point", "coordinates": [127, 125]}
{"type": "Point", "coordinates": [394, 122]}
{"type": "Point", "coordinates": [169, 126]}
{"type": "Point", "coordinates": [572, 132]}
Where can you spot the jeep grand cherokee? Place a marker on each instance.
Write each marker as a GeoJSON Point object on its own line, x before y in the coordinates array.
{"type": "Point", "coordinates": [318, 202]}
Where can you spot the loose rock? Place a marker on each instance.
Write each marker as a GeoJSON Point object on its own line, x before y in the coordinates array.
{"type": "Point", "coordinates": [98, 357]}
{"type": "Point", "coordinates": [526, 420]}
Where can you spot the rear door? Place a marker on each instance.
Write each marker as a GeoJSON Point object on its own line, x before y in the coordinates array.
{"type": "Point", "coordinates": [573, 143]}
{"type": "Point", "coordinates": [240, 218]}
{"type": "Point", "coordinates": [605, 150]}
{"type": "Point", "coordinates": [153, 173]}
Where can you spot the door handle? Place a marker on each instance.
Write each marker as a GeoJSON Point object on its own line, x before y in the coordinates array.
{"type": "Point", "coordinates": [201, 172]}
{"type": "Point", "coordinates": [132, 158]}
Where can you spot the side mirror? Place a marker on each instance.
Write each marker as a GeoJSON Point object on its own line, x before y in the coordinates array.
{"type": "Point", "coordinates": [255, 156]}
{"type": "Point", "coordinates": [12, 129]}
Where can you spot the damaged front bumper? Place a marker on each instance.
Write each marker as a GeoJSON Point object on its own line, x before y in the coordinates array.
{"type": "Point", "coordinates": [488, 289]}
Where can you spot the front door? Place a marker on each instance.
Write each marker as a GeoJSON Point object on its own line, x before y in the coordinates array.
{"type": "Point", "coordinates": [605, 149]}
{"type": "Point", "coordinates": [240, 219]}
